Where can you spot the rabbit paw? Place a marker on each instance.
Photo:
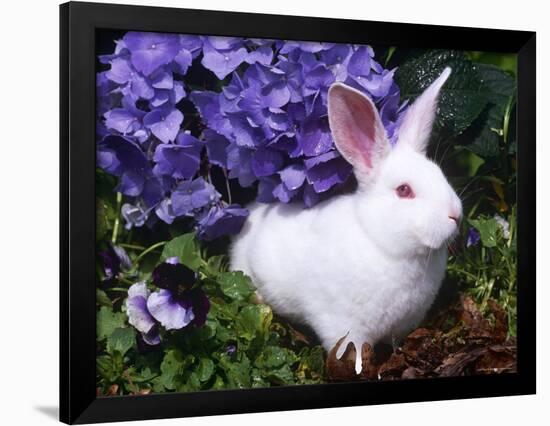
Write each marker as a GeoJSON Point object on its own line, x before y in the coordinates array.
{"type": "Point", "coordinates": [343, 347]}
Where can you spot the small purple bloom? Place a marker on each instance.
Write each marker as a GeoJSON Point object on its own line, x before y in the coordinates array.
{"type": "Point", "coordinates": [134, 215]}
{"type": "Point", "coordinates": [115, 259]}
{"type": "Point", "coordinates": [473, 237]}
{"type": "Point", "coordinates": [231, 349]}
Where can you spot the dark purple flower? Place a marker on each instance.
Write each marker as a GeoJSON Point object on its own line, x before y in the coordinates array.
{"type": "Point", "coordinates": [473, 237]}
{"type": "Point", "coordinates": [190, 196]}
{"type": "Point", "coordinates": [177, 304]}
{"type": "Point", "coordinates": [180, 160]}
{"type": "Point", "coordinates": [139, 315]}
{"type": "Point", "coordinates": [151, 50]}
{"type": "Point", "coordinates": [171, 275]}
{"type": "Point", "coordinates": [220, 221]}
{"type": "Point", "coordinates": [231, 349]}
{"type": "Point", "coordinates": [115, 259]}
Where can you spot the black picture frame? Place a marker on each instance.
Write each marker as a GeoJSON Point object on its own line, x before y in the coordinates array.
{"type": "Point", "coordinates": [78, 25]}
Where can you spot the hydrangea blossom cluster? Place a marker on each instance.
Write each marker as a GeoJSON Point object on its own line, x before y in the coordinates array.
{"type": "Point", "coordinates": [177, 303]}
{"type": "Point", "coordinates": [264, 122]}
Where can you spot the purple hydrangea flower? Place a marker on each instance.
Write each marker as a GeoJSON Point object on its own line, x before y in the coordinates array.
{"type": "Point", "coordinates": [151, 50]}
{"type": "Point", "coordinates": [222, 55]}
{"type": "Point", "coordinates": [164, 122]}
{"type": "Point", "coordinates": [193, 195]}
{"type": "Point", "coordinates": [219, 221]}
{"type": "Point", "coordinates": [266, 124]}
{"type": "Point", "coordinates": [180, 160]}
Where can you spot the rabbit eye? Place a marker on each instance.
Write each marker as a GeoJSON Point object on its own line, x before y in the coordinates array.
{"type": "Point", "coordinates": [404, 191]}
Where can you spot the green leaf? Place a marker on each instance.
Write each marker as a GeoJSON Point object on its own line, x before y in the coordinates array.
{"type": "Point", "coordinates": [237, 372]}
{"type": "Point", "coordinates": [487, 130]}
{"type": "Point", "coordinates": [186, 249]}
{"type": "Point", "coordinates": [281, 376]}
{"type": "Point", "coordinates": [274, 357]}
{"type": "Point", "coordinates": [312, 365]}
{"type": "Point", "coordinates": [172, 367]}
{"type": "Point", "coordinates": [215, 265]}
{"type": "Point", "coordinates": [102, 299]}
{"type": "Point", "coordinates": [108, 321]}
{"type": "Point", "coordinates": [253, 321]}
{"type": "Point", "coordinates": [121, 340]}
{"type": "Point", "coordinates": [488, 229]}
{"type": "Point", "coordinates": [205, 369]}
{"type": "Point", "coordinates": [463, 96]}
{"type": "Point", "coordinates": [236, 285]}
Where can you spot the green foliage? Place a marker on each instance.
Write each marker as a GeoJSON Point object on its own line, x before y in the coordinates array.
{"type": "Point", "coordinates": [474, 142]}
{"type": "Point", "coordinates": [488, 269]}
{"type": "Point", "coordinates": [241, 345]}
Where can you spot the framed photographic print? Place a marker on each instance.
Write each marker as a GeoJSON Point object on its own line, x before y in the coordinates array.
{"type": "Point", "coordinates": [265, 212]}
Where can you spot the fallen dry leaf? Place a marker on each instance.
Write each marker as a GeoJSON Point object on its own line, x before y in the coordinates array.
{"type": "Point", "coordinates": [458, 341]}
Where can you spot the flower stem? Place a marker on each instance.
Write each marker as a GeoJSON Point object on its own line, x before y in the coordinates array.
{"type": "Point", "coordinates": [227, 186]}
{"type": "Point", "coordinates": [149, 250]}
{"type": "Point", "coordinates": [117, 219]}
{"type": "Point", "coordinates": [132, 246]}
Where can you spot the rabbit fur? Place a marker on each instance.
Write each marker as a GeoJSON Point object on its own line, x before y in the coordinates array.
{"type": "Point", "coordinates": [365, 265]}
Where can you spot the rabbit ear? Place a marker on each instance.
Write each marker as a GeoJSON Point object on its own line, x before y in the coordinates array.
{"type": "Point", "coordinates": [417, 124]}
{"type": "Point", "coordinates": [357, 129]}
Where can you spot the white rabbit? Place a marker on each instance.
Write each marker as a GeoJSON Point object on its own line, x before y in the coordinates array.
{"type": "Point", "coordinates": [366, 265]}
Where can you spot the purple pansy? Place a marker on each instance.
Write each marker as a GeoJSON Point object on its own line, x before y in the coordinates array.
{"type": "Point", "coordinates": [115, 259]}
{"type": "Point", "coordinates": [139, 315]}
{"type": "Point", "coordinates": [178, 303]}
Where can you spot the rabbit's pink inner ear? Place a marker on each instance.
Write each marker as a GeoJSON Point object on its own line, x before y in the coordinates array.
{"type": "Point", "coordinates": [356, 127]}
